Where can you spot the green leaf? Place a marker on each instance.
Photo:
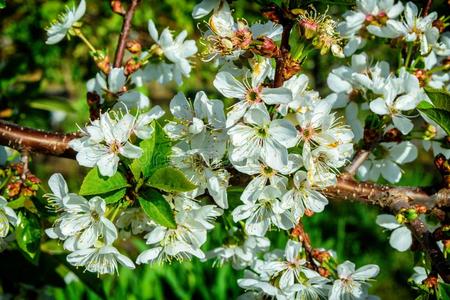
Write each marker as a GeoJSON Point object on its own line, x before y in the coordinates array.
{"type": "Point", "coordinates": [28, 235]}
{"type": "Point", "coordinates": [170, 180]}
{"type": "Point", "coordinates": [440, 98]}
{"type": "Point", "coordinates": [157, 208]}
{"type": "Point", "coordinates": [52, 105]}
{"type": "Point", "coordinates": [114, 196]}
{"type": "Point", "coordinates": [156, 151]}
{"type": "Point", "coordinates": [2, 4]}
{"type": "Point", "coordinates": [96, 184]}
{"type": "Point", "coordinates": [444, 291]}
{"type": "Point", "coordinates": [440, 116]}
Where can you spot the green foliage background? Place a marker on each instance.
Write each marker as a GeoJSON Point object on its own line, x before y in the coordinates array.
{"type": "Point", "coordinates": [39, 82]}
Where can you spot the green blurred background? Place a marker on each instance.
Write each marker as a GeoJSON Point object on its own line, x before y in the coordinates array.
{"type": "Point", "coordinates": [43, 86]}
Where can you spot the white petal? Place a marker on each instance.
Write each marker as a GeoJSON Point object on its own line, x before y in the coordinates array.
{"type": "Point", "coordinates": [401, 239]}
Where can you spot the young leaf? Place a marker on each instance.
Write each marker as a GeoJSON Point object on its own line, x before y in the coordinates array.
{"type": "Point", "coordinates": [156, 151]}
{"type": "Point", "coordinates": [157, 208]}
{"type": "Point", "coordinates": [28, 235]}
{"type": "Point", "coordinates": [114, 196]}
{"type": "Point", "coordinates": [170, 180]}
{"type": "Point", "coordinates": [440, 116]}
{"type": "Point", "coordinates": [439, 98]}
{"type": "Point", "coordinates": [96, 184]}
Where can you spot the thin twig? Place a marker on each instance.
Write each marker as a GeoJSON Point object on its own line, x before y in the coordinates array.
{"type": "Point", "coordinates": [358, 160]}
{"type": "Point", "coordinates": [126, 26]}
{"type": "Point", "coordinates": [427, 8]}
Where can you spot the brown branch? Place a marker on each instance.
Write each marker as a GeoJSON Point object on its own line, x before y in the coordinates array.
{"type": "Point", "coordinates": [32, 140]}
{"type": "Point", "coordinates": [284, 54]}
{"type": "Point", "coordinates": [126, 26]}
{"type": "Point", "coordinates": [426, 9]}
{"type": "Point", "coordinates": [357, 161]}
{"type": "Point", "coordinates": [300, 233]}
{"type": "Point", "coordinates": [396, 199]}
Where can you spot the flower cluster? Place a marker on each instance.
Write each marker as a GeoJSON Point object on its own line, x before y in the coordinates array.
{"type": "Point", "coordinates": [287, 276]}
{"type": "Point", "coordinates": [107, 139]}
{"type": "Point", "coordinates": [85, 229]}
{"type": "Point", "coordinates": [283, 139]}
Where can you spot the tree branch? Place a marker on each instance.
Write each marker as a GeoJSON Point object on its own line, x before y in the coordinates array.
{"type": "Point", "coordinates": [396, 199]}
{"type": "Point", "coordinates": [426, 9]}
{"type": "Point", "coordinates": [124, 33]}
{"type": "Point", "coordinates": [284, 53]}
{"type": "Point", "coordinates": [32, 140]}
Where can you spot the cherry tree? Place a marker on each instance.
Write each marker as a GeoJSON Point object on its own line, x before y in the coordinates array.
{"type": "Point", "coordinates": [164, 176]}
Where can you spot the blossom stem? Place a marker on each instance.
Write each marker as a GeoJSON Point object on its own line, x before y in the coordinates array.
{"type": "Point", "coordinates": [409, 54]}
{"type": "Point", "coordinates": [79, 34]}
{"type": "Point", "coordinates": [126, 26]}
{"type": "Point", "coordinates": [357, 161]}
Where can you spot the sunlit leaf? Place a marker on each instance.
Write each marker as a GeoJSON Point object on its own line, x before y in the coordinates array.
{"type": "Point", "coordinates": [28, 235]}
{"type": "Point", "coordinates": [440, 116]}
{"type": "Point", "coordinates": [170, 180]}
{"type": "Point", "coordinates": [96, 184]}
{"type": "Point", "coordinates": [157, 208]}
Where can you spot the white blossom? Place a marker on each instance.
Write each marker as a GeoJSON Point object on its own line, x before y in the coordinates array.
{"type": "Point", "coordinates": [105, 139]}
{"type": "Point", "coordinates": [7, 217]}
{"type": "Point", "coordinates": [303, 197]}
{"type": "Point", "coordinates": [367, 14]}
{"type": "Point", "coordinates": [177, 50]}
{"type": "Point", "coordinates": [99, 259]}
{"type": "Point", "coordinates": [114, 88]}
{"type": "Point", "coordinates": [399, 94]}
{"type": "Point", "coordinates": [58, 30]}
{"type": "Point", "coordinates": [263, 212]}
{"type": "Point", "coordinates": [205, 7]}
{"type": "Point", "coordinates": [250, 94]}
{"type": "Point", "coordinates": [351, 283]}
{"type": "Point", "coordinates": [263, 138]}
{"type": "Point", "coordinates": [401, 237]}
{"type": "Point", "coordinates": [412, 28]}
{"type": "Point", "coordinates": [386, 161]}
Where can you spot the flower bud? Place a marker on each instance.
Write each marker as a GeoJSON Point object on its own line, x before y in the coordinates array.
{"type": "Point", "coordinates": [134, 47]}
{"type": "Point", "coordinates": [422, 76]}
{"type": "Point", "coordinates": [411, 214]}
{"type": "Point", "coordinates": [393, 135]}
{"type": "Point", "coordinates": [310, 27]}
{"type": "Point", "coordinates": [266, 47]}
{"type": "Point", "coordinates": [131, 66]}
{"type": "Point", "coordinates": [400, 218]}
{"type": "Point", "coordinates": [324, 272]}
{"type": "Point", "coordinates": [116, 6]}
{"type": "Point", "coordinates": [439, 24]}
{"type": "Point", "coordinates": [103, 63]}
{"type": "Point", "coordinates": [13, 189]}
{"type": "Point", "coordinates": [421, 209]}
{"type": "Point", "coordinates": [431, 282]}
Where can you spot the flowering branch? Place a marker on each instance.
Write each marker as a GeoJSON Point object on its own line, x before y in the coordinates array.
{"type": "Point", "coordinates": [398, 199]}
{"type": "Point", "coordinates": [124, 33]}
{"type": "Point", "coordinates": [32, 140]}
